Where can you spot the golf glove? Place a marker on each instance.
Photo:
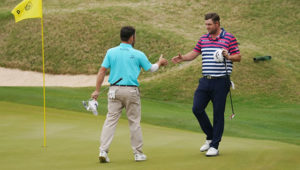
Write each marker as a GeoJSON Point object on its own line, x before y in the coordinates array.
{"type": "Point", "coordinates": [218, 56]}
{"type": "Point", "coordinates": [91, 105]}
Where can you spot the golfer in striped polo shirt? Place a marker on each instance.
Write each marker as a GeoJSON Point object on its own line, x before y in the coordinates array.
{"type": "Point", "coordinates": [214, 85]}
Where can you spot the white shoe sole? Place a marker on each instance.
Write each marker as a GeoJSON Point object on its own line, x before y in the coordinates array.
{"type": "Point", "coordinates": [212, 155]}
{"type": "Point", "coordinates": [140, 160]}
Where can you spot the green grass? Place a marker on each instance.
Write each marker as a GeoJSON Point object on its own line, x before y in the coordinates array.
{"type": "Point", "coordinates": [76, 42]}
{"type": "Point", "coordinates": [73, 141]}
{"type": "Point", "coordinates": [258, 117]}
{"type": "Point", "coordinates": [77, 35]}
{"type": "Point", "coordinates": [5, 15]}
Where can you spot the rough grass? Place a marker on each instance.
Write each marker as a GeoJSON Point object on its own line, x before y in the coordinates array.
{"type": "Point", "coordinates": [77, 35]}
{"type": "Point", "coordinates": [76, 42]}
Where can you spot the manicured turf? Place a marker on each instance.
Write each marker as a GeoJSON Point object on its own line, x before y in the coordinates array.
{"type": "Point", "coordinates": [73, 140]}
{"type": "Point", "coordinates": [258, 117]}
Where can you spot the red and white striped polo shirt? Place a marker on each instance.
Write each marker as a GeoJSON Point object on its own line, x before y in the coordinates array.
{"type": "Point", "coordinates": [207, 46]}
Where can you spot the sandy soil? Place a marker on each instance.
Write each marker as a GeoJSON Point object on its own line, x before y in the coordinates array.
{"type": "Point", "coordinates": [16, 77]}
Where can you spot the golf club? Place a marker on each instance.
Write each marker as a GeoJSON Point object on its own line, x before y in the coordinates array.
{"type": "Point", "coordinates": [228, 78]}
{"type": "Point", "coordinates": [113, 84]}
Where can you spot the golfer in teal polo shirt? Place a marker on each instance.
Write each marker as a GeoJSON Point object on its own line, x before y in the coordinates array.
{"type": "Point", "coordinates": [125, 63]}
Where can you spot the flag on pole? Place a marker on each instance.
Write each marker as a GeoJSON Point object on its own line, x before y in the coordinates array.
{"type": "Point", "coordinates": [28, 9]}
{"type": "Point", "coordinates": [34, 9]}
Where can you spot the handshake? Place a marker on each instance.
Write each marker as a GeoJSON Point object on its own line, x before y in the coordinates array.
{"type": "Point", "coordinates": [218, 56]}
{"type": "Point", "coordinates": [164, 62]}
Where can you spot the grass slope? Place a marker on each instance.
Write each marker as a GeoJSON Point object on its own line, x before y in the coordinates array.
{"type": "Point", "coordinates": [72, 140]}
{"type": "Point", "coordinates": [257, 117]}
{"type": "Point", "coordinates": [77, 35]}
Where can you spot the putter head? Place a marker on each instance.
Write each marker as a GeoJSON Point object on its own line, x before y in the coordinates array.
{"type": "Point", "coordinates": [232, 116]}
{"type": "Point", "coordinates": [91, 105]}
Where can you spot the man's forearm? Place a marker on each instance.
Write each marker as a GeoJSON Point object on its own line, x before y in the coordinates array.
{"type": "Point", "coordinates": [158, 64]}
{"type": "Point", "coordinates": [155, 66]}
{"type": "Point", "coordinates": [235, 57]}
{"type": "Point", "coordinates": [100, 78]}
{"type": "Point", "coordinates": [190, 56]}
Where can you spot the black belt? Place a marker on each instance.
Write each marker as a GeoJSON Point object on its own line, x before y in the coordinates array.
{"type": "Point", "coordinates": [125, 85]}
{"type": "Point", "coordinates": [212, 77]}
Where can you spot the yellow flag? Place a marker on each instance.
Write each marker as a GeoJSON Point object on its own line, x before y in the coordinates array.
{"type": "Point", "coordinates": [28, 9]}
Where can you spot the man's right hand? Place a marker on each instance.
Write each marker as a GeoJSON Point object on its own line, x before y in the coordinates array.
{"type": "Point", "coordinates": [162, 61]}
{"type": "Point", "coordinates": [177, 59]}
{"type": "Point", "coordinates": [95, 94]}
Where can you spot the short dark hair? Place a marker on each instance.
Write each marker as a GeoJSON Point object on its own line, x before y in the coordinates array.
{"type": "Point", "coordinates": [214, 16]}
{"type": "Point", "coordinates": [126, 32]}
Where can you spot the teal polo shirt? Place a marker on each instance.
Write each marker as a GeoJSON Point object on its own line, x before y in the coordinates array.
{"type": "Point", "coordinates": [125, 62]}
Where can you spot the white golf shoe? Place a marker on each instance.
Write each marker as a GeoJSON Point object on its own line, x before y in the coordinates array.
{"type": "Point", "coordinates": [206, 146]}
{"type": "Point", "coordinates": [140, 157]}
{"type": "Point", "coordinates": [103, 158]}
{"type": "Point", "coordinates": [212, 152]}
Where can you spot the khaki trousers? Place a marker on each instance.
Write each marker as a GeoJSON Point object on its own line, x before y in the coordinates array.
{"type": "Point", "coordinates": [128, 97]}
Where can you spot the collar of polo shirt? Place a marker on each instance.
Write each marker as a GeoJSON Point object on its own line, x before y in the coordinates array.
{"type": "Point", "coordinates": [218, 37]}
{"type": "Point", "coordinates": [126, 45]}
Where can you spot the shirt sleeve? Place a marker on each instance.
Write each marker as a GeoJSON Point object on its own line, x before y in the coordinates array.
{"type": "Point", "coordinates": [233, 46]}
{"type": "Point", "coordinates": [144, 62]}
{"type": "Point", "coordinates": [197, 48]}
{"type": "Point", "coordinates": [106, 62]}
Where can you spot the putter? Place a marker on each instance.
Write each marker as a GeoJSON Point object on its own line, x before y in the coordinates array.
{"type": "Point", "coordinates": [233, 114]}
{"type": "Point", "coordinates": [92, 104]}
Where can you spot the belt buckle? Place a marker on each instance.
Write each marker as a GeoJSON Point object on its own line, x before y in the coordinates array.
{"type": "Point", "coordinates": [209, 77]}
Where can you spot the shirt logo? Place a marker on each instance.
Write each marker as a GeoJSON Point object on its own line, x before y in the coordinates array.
{"type": "Point", "coordinates": [222, 41]}
{"type": "Point", "coordinates": [125, 49]}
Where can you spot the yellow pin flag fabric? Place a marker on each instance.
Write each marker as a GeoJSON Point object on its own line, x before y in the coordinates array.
{"type": "Point", "coordinates": [28, 9]}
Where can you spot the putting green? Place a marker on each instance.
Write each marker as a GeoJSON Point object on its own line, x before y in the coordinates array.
{"type": "Point", "coordinates": [73, 140]}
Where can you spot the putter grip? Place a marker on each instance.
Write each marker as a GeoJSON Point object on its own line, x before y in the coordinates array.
{"type": "Point", "coordinates": [117, 81]}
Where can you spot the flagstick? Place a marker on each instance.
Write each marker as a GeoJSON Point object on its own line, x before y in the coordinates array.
{"type": "Point", "coordinates": [44, 90]}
